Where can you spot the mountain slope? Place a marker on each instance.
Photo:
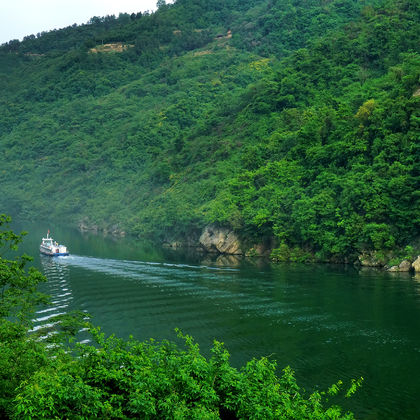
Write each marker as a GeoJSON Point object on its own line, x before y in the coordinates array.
{"type": "Point", "coordinates": [244, 114]}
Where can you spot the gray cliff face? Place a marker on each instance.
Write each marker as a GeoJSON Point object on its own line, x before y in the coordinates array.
{"type": "Point", "coordinates": [221, 240]}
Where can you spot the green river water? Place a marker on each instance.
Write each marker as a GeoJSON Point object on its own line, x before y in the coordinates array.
{"type": "Point", "coordinates": [326, 322]}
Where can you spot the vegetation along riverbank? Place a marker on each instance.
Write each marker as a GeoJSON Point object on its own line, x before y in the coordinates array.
{"type": "Point", "coordinates": [292, 124]}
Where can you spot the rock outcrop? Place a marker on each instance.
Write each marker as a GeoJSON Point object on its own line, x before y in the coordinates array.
{"type": "Point", "coordinates": [401, 268]}
{"type": "Point", "coordinates": [416, 265]}
{"type": "Point", "coordinates": [221, 240]}
{"type": "Point", "coordinates": [405, 266]}
{"type": "Point", "coordinates": [86, 226]}
{"type": "Point", "coordinates": [371, 259]}
{"type": "Point", "coordinates": [259, 250]}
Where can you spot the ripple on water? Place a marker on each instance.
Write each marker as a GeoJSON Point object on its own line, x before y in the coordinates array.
{"type": "Point", "coordinates": [328, 326]}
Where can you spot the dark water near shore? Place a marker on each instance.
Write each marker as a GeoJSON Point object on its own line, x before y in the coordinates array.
{"type": "Point", "coordinates": [327, 322]}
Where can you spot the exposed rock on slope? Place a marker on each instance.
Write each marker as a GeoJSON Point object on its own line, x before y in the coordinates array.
{"type": "Point", "coordinates": [222, 240]}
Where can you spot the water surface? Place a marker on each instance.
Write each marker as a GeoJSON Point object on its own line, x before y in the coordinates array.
{"type": "Point", "coordinates": [327, 322]}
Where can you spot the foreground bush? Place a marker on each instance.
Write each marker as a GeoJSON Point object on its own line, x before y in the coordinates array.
{"type": "Point", "coordinates": [131, 379]}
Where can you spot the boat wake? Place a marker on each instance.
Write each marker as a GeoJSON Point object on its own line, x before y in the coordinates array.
{"type": "Point", "coordinates": [60, 291]}
{"type": "Point", "coordinates": [150, 293]}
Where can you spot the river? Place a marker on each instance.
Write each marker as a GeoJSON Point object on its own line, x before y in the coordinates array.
{"type": "Point", "coordinates": [327, 322]}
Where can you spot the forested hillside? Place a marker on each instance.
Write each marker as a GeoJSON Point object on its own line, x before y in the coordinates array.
{"type": "Point", "coordinates": [291, 122]}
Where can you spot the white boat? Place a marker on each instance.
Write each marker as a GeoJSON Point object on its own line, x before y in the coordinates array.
{"type": "Point", "coordinates": [52, 248]}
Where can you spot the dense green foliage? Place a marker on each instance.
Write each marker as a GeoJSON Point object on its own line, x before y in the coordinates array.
{"type": "Point", "coordinates": [130, 379]}
{"type": "Point", "coordinates": [301, 124]}
{"type": "Point", "coordinates": [45, 374]}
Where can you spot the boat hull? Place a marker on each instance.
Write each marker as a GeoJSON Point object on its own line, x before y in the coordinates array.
{"type": "Point", "coordinates": [54, 254]}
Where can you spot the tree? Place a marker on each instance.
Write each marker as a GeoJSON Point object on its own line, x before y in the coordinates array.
{"type": "Point", "coordinates": [20, 356]}
{"type": "Point", "coordinates": [160, 4]}
{"type": "Point", "coordinates": [18, 294]}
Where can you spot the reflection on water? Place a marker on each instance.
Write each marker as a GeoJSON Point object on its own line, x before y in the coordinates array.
{"type": "Point", "coordinates": [58, 287]}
